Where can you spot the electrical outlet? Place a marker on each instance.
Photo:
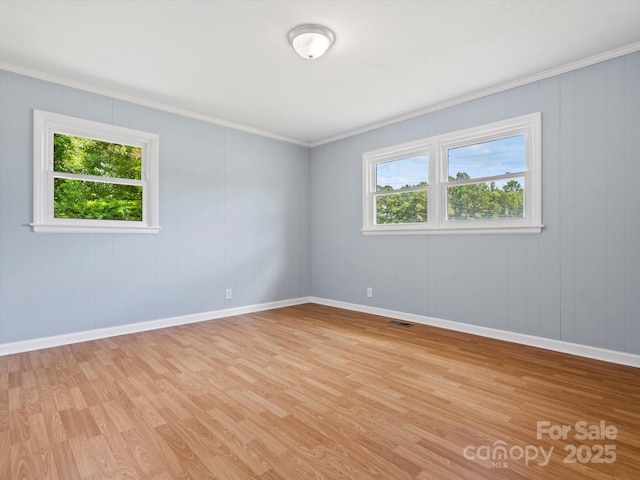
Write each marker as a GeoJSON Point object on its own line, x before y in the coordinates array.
{"type": "Point", "coordinates": [228, 294]}
{"type": "Point", "coordinates": [369, 292]}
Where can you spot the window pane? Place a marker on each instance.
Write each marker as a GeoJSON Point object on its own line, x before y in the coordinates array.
{"type": "Point", "coordinates": [487, 159]}
{"type": "Point", "coordinates": [409, 207]}
{"type": "Point", "coordinates": [483, 201]}
{"type": "Point", "coordinates": [96, 200]}
{"type": "Point", "coordinates": [93, 157]}
{"type": "Point", "coordinates": [404, 173]}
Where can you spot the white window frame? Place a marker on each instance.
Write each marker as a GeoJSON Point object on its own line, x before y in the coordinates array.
{"type": "Point", "coordinates": [45, 125]}
{"type": "Point", "coordinates": [437, 148]}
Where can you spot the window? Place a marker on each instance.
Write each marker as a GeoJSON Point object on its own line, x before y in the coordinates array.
{"type": "Point", "coordinates": [480, 180]}
{"type": "Point", "coordinates": [401, 190]}
{"type": "Point", "coordinates": [91, 177]}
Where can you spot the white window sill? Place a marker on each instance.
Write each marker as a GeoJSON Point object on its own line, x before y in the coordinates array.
{"type": "Point", "coordinates": [420, 230]}
{"type": "Point", "coordinates": [49, 228]}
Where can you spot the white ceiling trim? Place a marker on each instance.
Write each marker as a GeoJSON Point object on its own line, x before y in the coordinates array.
{"type": "Point", "coordinates": [618, 52]}
{"type": "Point", "coordinates": [634, 47]}
{"type": "Point", "coordinates": [29, 72]}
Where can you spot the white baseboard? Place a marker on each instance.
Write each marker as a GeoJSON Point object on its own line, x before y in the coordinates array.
{"type": "Point", "coordinates": [540, 342]}
{"type": "Point", "coordinates": [66, 339]}
{"type": "Point", "coordinates": [521, 338]}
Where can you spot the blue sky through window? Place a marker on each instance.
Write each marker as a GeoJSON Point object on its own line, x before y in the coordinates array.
{"type": "Point", "coordinates": [487, 159]}
{"type": "Point", "coordinates": [406, 171]}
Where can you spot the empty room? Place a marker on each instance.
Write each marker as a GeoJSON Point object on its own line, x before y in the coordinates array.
{"type": "Point", "coordinates": [320, 239]}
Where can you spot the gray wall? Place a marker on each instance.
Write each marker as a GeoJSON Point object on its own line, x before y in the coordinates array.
{"type": "Point", "coordinates": [577, 281]}
{"type": "Point", "coordinates": [234, 212]}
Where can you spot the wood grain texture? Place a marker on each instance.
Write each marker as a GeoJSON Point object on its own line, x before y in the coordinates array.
{"type": "Point", "coordinates": [308, 392]}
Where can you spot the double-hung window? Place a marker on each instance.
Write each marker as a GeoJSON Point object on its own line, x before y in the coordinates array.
{"type": "Point", "coordinates": [480, 180]}
{"type": "Point", "coordinates": [91, 177]}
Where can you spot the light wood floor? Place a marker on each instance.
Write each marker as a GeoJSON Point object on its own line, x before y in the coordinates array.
{"type": "Point", "coordinates": [310, 392]}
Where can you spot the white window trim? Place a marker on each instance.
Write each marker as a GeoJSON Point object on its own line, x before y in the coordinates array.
{"type": "Point", "coordinates": [436, 147]}
{"type": "Point", "coordinates": [45, 124]}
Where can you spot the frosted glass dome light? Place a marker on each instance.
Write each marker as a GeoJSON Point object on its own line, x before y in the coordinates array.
{"type": "Point", "coordinates": [311, 41]}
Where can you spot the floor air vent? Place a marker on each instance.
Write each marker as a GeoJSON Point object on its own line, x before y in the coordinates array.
{"type": "Point", "coordinates": [400, 324]}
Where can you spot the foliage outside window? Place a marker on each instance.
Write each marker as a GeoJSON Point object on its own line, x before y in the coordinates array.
{"type": "Point", "coordinates": [485, 180]}
{"type": "Point", "coordinates": [480, 180]}
{"type": "Point", "coordinates": [402, 200]}
{"type": "Point", "coordinates": [93, 177]}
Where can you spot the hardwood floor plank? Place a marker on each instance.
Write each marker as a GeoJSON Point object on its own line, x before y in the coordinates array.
{"type": "Point", "coordinates": [144, 413]}
{"type": "Point", "coordinates": [39, 438]}
{"type": "Point", "coordinates": [107, 428]}
{"type": "Point", "coordinates": [44, 465]}
{"type": "Point", "coordinates": [19, 427]}
{"type": "Point", "coordinates": [53, 422]}
{"type": "Point", "coordinates": [245, 462]}
{"type": "Point", "coordinates": [5, 446]}
{"type": "Point", "coordinates": [20, 461]}
{"type": "Point", "coordinates": [148, 458]}
{"type": "Point", "coordinates": [79, 423]}
{"type": "Point", "coordinates": [119, 416]}
{"type": "Point", "coordinates": [182, 451]}
{"type": "Point", "coordinates": [83, 460]}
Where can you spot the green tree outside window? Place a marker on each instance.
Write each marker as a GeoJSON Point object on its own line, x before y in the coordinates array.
{"type": "Point", "coordinates": [100, 199]}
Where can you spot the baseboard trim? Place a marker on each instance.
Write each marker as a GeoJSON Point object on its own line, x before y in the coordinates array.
{"type": "Point", "coordinates": [96, 334]}
{"type": "Point", "coordinates": [595, 353]}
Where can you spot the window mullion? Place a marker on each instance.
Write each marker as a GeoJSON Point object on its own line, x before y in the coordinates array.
{"type": "Point", "coordinates": [433, 210]}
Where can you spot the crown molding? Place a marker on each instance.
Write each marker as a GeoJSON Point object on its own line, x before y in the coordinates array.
{"type": "Point", "coordinates": [87, 87]}
{"type": "Point", "coordinates": [552, 72]}
{"type": "Point", "coordinates": [601, 57]}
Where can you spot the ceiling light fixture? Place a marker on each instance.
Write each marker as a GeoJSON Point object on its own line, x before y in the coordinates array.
{"type": "Point", "coordinates": [310, 40]}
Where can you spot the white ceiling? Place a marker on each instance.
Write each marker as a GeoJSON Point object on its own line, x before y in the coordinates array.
{"type": "Point", "coordinates": [230, 62]}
